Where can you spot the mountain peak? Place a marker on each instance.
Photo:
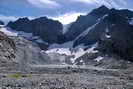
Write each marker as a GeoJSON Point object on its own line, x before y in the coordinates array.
{"type": "Point", "coordinates": [103, 7]}
{"type": "Point", "coordinates": [101, 10]}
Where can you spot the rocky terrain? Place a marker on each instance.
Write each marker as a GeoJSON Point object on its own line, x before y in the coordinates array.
{"type": "Point", "coordinates": [70, 78]}
{"type": "Point", "coordinates": [25, 70]}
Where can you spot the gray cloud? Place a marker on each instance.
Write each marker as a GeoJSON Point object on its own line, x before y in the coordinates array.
{"type": "Point", "coordinates": [44, 3]}
{"type": "Point", "coordinates": [56, 8]}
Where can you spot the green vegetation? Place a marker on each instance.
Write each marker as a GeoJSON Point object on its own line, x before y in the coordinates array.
{"type": "Point", "coordinates": [19, 75]}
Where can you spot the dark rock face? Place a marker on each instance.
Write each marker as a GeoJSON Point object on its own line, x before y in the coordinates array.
{"type": "Point", "coordinates": [47, 29]}
{"type": "Point", "coordinates": [114, 34]}
{"type": "Point", "coordinates": [120, 42]}
{"type": "Point", "coordinates": [21, 24]}
{"type": "Point", "coordinates": [121, 36]}
{"type": "Point", "coordinates": [92, 36]}
{"type": "Point", "coordinates": [113, 18]}
{"type": "Point", "coordinates": [83, 22]}
{"type": "Point", "coordinates": [1, 23]}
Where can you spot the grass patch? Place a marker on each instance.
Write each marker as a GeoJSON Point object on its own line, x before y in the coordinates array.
{"type": "Point", "coordinates": [19, 75]}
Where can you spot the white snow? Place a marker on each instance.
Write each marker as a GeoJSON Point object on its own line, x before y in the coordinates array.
{"type": "Point", "coordinates": [107, 36]}
{"type": "Point", "coordinates": [98, 59]}
{"type": "Point", "coordinates": [67, 49]}
{"type": "Point", "coordinates": [60, 51]}
{"type": "Point", "coordinates": [131, 22]}
{"type": "Point", "coordinates": [107, 31]}
{"type": "Point", "coordinates": [81, 61]}
{"type": "Point", "coordinates": [7, 31]}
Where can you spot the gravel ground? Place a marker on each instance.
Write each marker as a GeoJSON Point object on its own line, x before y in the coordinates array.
{"type": "Point", "coordinates": [69, 78]}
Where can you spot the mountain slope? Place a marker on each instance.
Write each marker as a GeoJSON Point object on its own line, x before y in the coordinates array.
{"type": "Point", "coordinates": [114, 34]}
{"type": "Point", "coordinates": [83, 22]}
{"type": "Point", "coordinates": [47, 29]}
{"type": "Point", "coordinates": [101, 25]}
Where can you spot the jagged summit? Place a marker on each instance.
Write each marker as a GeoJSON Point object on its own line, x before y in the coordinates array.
{"type": "Point", "coordinates": [48, 29]}
{"type": "Point", "coordinates": [100, 11]}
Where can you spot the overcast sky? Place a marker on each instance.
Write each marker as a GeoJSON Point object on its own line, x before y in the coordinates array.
{"type": "Point", "coordinates": [65, 11]}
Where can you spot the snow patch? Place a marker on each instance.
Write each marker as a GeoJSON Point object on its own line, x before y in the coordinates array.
{"type": "Point", "coordinates": [107, 33]}
{"type": "Point", "coordinates": [131, 21]}
{"type": "Point", "coordinates": [107, 36]}
{"type": "Point", "coordinates": [98, 59]}
{"type": "Point", "coordinates": [65, 51]}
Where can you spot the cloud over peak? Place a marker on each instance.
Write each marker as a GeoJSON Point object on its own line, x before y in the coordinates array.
{"type": "Point", "coordinates": [68, 17]}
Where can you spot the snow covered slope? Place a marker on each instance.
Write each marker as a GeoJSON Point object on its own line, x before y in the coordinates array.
{"type": "Point", "coordinates": [66, 49]}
